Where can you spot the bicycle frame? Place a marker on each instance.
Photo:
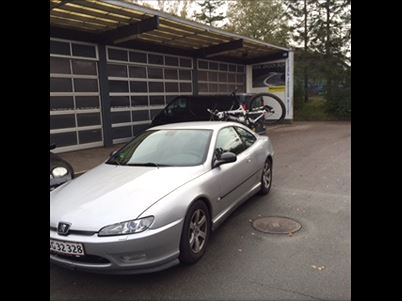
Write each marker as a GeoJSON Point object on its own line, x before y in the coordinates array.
{"type": "Point", "coordinates": [242, 115]}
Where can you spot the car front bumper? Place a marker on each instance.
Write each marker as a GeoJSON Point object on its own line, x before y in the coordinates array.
{"type": "Point", "coordinates": [150, 251]}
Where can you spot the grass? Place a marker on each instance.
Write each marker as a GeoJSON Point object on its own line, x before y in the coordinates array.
{"type": "Point", "coordinates": [314, 110]}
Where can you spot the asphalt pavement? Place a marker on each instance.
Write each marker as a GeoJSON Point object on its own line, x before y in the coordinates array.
{"type": "Point", "coordinates": [311, 184]}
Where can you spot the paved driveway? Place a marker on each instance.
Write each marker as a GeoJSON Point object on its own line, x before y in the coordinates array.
{"type": "Point", "coordinates": [311, 184]}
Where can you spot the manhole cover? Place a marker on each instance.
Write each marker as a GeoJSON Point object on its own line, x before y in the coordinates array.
{"type": "Point", "coordinates": [276, 225]}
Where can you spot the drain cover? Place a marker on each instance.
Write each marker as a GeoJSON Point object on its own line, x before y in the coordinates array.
{"type": "Point", "coordinates": [276, 225]}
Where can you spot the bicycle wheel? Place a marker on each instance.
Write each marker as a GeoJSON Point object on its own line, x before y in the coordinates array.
{"type": "Point", "coordinates": [276, 112]}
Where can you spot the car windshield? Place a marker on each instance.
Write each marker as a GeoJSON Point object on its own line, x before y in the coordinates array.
{"type": "Point", "coordinates": [174, 147]}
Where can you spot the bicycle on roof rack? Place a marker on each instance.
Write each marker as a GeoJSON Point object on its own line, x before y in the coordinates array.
{"type": "Point", "coordinates": [256, 114]}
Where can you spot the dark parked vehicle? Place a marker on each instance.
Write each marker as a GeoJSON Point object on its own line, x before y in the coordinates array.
{"type": "Point", "coordinates": [195, 108]}
{"type": "Point", "coordinates": [60, 170]}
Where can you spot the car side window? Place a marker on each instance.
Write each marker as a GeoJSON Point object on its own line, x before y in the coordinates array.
{"type": "Point", "coordinates": [178, 106]}
{"type": "Point", "coordinates": [229, 141]}
{"type": "Point", "coordinates": [246, 136]}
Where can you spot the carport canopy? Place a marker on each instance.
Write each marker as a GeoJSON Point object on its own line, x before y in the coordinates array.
{"type": "Point", "coordinates": [125, 24]}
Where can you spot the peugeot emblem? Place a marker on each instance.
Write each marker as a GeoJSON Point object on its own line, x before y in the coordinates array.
{"type": "Point", "coordinates": [63, 228]}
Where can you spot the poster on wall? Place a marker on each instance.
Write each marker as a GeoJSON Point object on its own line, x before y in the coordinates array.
{"type": "Point", "coordinates": [271, 76]}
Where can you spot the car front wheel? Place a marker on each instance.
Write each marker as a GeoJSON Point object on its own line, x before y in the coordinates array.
{"type": "Point", "coordinates": [195, 234]}
{"type": "Point", "coordinates": [266, 177]}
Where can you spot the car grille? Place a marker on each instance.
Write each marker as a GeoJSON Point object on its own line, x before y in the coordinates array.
{"type": "Point", "coordinates": [76, 232]}
{"type": "Point", "coordinates": [82, 259]}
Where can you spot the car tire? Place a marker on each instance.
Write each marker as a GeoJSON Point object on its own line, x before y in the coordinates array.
{"type": "Point", "coordinates": [195, 234]}
{"type": "Point", "coordinates": [266, 177]}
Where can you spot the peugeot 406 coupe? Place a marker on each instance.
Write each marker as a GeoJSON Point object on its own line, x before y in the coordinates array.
{"type": "Point", "coordinates": [155, 201]}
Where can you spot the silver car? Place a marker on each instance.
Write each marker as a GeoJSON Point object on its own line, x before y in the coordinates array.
{"type": "Point", "coordinates": [154, 202]}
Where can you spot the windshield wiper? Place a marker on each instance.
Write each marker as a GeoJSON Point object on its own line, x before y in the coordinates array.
{"type": "Point", "coordinates": [147, 164]}
{"type": "Point", "coordinates": [113, 162]}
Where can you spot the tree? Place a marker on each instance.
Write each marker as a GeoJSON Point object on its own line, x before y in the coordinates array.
{"type": "Point", "coordinates": [300, 14]}
{"type": "Point", "coordinates": [178, 7]}
{"type": "Point", "coordinates": [321, 28]}
{"type": "Point", "coordinates": [184, 10]}
{"type": "Point", "coordinates": [330, 36]}
{"type": "Point", "coordinates": [208, 13]}
{"type": "Point", "coordinates": [263, 20]}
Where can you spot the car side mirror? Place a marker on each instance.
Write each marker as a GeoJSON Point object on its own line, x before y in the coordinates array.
{"type": "Point", "coordinates": [224, 158]}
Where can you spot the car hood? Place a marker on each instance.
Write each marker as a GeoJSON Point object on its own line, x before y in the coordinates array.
{"type": "Point", "coordinates": [110, 194]}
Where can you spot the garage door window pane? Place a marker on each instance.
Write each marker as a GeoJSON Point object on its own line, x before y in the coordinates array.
{"type": "Point", "coordinates": [232, 88]}
{"type": "Point", "coordinates": [240, 68]}
{"type": "Point", "coordinates": [139, 72]}
{"type": "Point", "coordinates": [121, 132]}
{"type": "Point", "coordinates": [84, 50]}
{"type": "Point", "coordinates": [64, 139]}
{"type": "Point", "coordinates": [139, 101]}
{"type": "Point", "coordinates": [213, 66]}
{"type": "Point", "coordinates": [139, 57]}
{"type": "Point", "coordinates": [117, 55]}
{"type": "Point", "coordinates": [62, 121]}
{"type": "Point", "coordinates": [155, 87]}
{"type": "Point", "coordinates": [88, 119]}
{"type": "Point", "coordinates": [232, 77]}
{"type": "Point", "coordinates": [203, 87]}
{"type": "Point", "coordinates": [87, 102]}
{"type": "Point", "coordinates": [85, 85]}
{"type": "Point", "coordinates": [137, 87]}
{"type": "Point", "coordinates": [203, 75]}
{"type": "Point", "coordinates": [171, 87]}
{"type": "Point", "coordinates": [157, 100]}
{"type": "Point", "coordinates": [185, 87]}
{"type": "Point", "coordinates": [155, 73]}
{"type": "Point", "coordinates": [213, 87]}
{"type": "Point", "coordinates": [140, 115]}
{"type": "Point", "coordinates": [202, 65]}
{"type": "Point", "coordinates": [240, 78]}
{"type": "Point", "coordinates": [60, 85]}
{"type": "Point", "coordinates": [155, 59]}
{"type": "Point", "coordinates": [117, 70]}
{"type": "Point", "coordinates": [119, 101]}
{"type": "Point", "coordinates": [213, 76]}
{"type": "Point", "coordinates": [60, 66]}
{"type": "Point", "coordinates": [223, 77]}
{"type": "Point", "coordinates": [223, 67]}
{"type": "Point", "coordinates": [121, 117]}
{"type": "Point", "coordinates": [232, 68]}
{"type": "Point", "coordinates": [57, 47]}
{"type": "Point", "coordinates": [185, 62]}
{"type": "Point", "coordinates": [171, 61]}
{"type": "Point", "coordinates": [223, 88]}
{"type": "Point", "coordinates": [90, 136]}
{"type": "Point", "coordinates": [171, 74]}
{"type": "Point", "coordinates": [61, 103]}
{"type": "Point", "coordinates": [84, 67]}
{"type": "Point", "coordinates": [185, 74]}
{"type": "Point", "coordinates": [118, 86]}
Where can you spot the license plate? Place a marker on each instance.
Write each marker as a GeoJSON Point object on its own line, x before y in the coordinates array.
{"type": "Point", "coordinates": [69, 248]}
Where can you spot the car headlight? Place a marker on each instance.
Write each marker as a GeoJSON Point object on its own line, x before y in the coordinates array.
{"type": "Point", "coordinates": [129, 227]}
{"type": "Point", "coordinates": [59, 172]}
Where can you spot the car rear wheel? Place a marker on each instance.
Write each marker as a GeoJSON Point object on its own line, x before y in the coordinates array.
{"type": "Point", "coordinates": [266, 177]}
{"type": "Point", "coordinates": [195, 234]}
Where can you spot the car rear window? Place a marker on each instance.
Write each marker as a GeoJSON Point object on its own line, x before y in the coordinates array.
{"type": "Point", "coordinates": [199, 105]}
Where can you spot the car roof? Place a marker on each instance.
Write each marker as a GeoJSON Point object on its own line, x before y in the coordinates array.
{"type": "Point", "coordinates": [196, 125]}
